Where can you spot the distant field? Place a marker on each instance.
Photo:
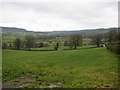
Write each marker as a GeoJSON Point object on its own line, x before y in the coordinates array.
{"type": "Point", "coordinates": [8, 38]}
{"type": "Point", "coordinates": [88, 68]}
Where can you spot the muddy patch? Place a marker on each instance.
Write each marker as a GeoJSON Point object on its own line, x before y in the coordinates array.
{"type": "Point", "coordinates": [20, 82]}
{"type": "Point", "coordinates": [52, 85]}
{"type": "Point", "coordinates": [17, 84]}
{"type": "Point", "coordinates": [29, 80]}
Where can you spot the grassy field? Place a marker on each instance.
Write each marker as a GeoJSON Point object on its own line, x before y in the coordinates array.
{"type": "Point", "coordinates": [88, 68]}
{"type": "Point", "coordinates": [62, 47]}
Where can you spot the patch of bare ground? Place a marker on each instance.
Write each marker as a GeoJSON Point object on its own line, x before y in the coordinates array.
{"type": "Point", "coordinates": [20, 82]}
{"type": "Point", "coordinates": [26, 80]}
{"type": "Point", "coordinates": [0, 85]}
{"type": "Point", "coordinates": [52, 85]}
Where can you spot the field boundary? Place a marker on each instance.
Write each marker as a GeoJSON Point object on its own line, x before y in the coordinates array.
{"type": "Point", "coordinates": [54, 50]}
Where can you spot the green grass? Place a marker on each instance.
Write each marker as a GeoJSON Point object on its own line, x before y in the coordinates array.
{"type": "Point", "coordinates": [61, 47]}
{"type": "Point", "coordinates": [87, 68]}
{"type": "Point", "coordinates": [86, 46]}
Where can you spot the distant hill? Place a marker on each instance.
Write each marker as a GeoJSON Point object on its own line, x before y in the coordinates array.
{"type": "Point", "coordinates": [13, 29]}
{"type": "Point", "coordinates": [86, 30]}
{"type": "Point", "coordinates": [84, 33]}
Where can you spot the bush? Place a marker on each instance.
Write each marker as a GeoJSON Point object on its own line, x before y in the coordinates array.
{"type": "Point", "coordinates": [41, 45]}
{"type": "Point", "coordinates": [114, 47]}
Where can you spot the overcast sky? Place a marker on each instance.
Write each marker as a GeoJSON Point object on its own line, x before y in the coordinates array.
{"type": "Point", "coordinates": [51, 15]}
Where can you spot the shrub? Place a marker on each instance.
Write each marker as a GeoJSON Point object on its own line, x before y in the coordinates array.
{"type": "Point", "coordinates": [41, 45]}
{"type": "Point", "coordinates": [114, 47]}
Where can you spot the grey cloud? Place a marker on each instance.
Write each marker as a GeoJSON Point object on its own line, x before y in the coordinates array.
{"type": "Point", "coordinates": [88, 14]}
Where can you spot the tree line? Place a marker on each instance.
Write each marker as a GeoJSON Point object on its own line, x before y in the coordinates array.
{"type": "Point", "coordinates": [30, 42]}
{"type": "Point", "coordinates": [114, 41]}
{"type": "Point", "coordinates": [111, 39]}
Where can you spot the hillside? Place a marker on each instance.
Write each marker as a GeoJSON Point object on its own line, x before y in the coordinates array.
{"type": "Point", "coordinates": [12, 31]}
{"type": "Point", "coordinates": [84, 33]}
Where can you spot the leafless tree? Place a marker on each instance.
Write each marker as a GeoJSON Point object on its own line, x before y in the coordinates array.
{"type": "Point", "coordinates": [97, 39]}
{"type": "Point", "coordinates": [17, 43]}
{"type": "Point", "coordinates": [29, 41]}
{"type": "Point", "coordinates": [76, 40]}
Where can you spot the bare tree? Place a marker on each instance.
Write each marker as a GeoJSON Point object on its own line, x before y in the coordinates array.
{"type": "Point", "coordinates": [57, 46]}
{"type": "Point", "coordinates": [118, 36]}
{"type": "Point", "coordinates": [76, 40]}
{"type": "Point", "coordinates": [17, 43]}
{"type": "Point", "coordinates": [112, 36]}
{"type": "Point", "coordinates": [29, 41]}
{"type": "Point", "coordinates": [97, 39]}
